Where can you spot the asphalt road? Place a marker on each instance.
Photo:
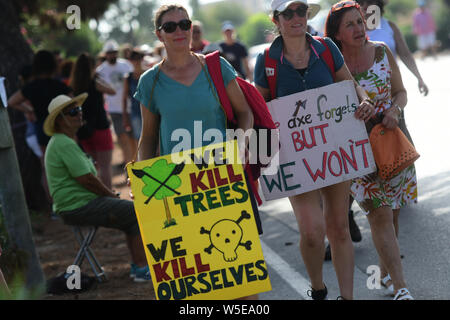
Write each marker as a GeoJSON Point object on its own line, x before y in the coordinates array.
{"type": "Point", "coordinates": [424, 228]}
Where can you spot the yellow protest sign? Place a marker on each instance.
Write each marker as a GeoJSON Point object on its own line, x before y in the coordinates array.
{"type": "Point", "coordinates": [197, 225]}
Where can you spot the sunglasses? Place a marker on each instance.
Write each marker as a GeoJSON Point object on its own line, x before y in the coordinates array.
{"type": "Point", "coordinates": [73, 112]}
{"type": "Point", "coordinates": [344, 4]}
{"type": "Point", "coordinates": [288, 14]}
{"type": "Point", "coordinates": [171, 26]}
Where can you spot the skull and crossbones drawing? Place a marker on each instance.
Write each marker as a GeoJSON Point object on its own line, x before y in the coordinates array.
{"type": "Point", "coordinates": [226, 235]}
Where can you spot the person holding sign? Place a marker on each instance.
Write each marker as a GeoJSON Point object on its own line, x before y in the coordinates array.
{"type": "Point", "coordinates": [78, 195]}
{"type": "Point", "coordinates": [176, 95]}
{"type": "Point", "coordinates": [373, 66]}
{"type": "Point", "coordinates": [301, 66]}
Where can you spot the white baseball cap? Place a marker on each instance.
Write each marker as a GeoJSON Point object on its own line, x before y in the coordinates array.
{"type": "Point", "coordinates": [110, 46]}
{"type": "Point", "coordinates": [281, 5]}
{"type": "Point", "coordinates": [227, 25]}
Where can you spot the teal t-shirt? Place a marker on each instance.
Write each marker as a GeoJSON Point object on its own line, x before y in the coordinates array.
{"type": "Point", "coordinates": [64, 161]}
{"type": "Point", "coordinates": [180, 106]}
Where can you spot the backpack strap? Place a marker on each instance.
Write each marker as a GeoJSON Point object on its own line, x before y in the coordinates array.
{"type": "Point", "coordinates": [271, 66]}
{"type": "Point", "coordinates": [327, 57]}
{"type": "Point", "coordinates": [215, 72]}
{"type": "Point", "coordinates": [271, 73]}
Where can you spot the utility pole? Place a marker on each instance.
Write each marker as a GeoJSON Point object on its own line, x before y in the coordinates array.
{"type": "Point", "coordinates": [14, 205]}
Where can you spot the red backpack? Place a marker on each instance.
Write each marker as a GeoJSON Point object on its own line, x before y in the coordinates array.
{"type": "Point", "coordinates": [271, 66]}
{"type": "Point", "coordinates": [261, 115]}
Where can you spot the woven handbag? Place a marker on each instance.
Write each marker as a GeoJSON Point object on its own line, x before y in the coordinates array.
{"type": "Point", "coordinates": [392, 151]}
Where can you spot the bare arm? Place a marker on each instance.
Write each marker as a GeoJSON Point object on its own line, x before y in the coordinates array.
{"type": "Point", "coordinates": [366, 109]}
{"type": "Point", "coordinates": [264, 92]}
{"type": "Point", "coordinates": [148, 142]}
{"type": "Point", "coordinates": [19, 102]}
{"type": "Point", "coordinates": [341, 75]}
{"type": "Point", "coordinates": [247, 69]}
{"type": "Point", "coordinates": [398, 92]}
{"type": "Point", "coordinates": [407, 57]}
{"type": "Point", "coordinates": [125, 115]}
{"type": "Point", "coordinates": [93, 184]}
{"type": "Point", "coordinates": [243, 113]}
{"type": "Point", "coordinates": [104, 87]}
{"type": "Point", "coordinates": [241, 109]}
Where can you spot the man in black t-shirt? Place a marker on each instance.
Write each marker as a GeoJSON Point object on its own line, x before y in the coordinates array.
{"type": "Point", "coordinates": [235, 52]}
{"type": "Point", "coordinates": [39, 92]}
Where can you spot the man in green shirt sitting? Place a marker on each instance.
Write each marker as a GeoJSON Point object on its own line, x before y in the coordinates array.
{"type": "Point", "coordinates": [78, 195]}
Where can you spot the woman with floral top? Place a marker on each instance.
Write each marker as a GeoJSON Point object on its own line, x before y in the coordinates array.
{"type": "Point", "coordinates": [374, 68]}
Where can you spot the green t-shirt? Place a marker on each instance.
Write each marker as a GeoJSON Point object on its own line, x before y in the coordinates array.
{"type": "Point", "coordinates": [64, 161]}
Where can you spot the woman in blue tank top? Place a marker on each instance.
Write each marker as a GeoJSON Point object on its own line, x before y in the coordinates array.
{"type": "Point", "coordinates": [389, 33]}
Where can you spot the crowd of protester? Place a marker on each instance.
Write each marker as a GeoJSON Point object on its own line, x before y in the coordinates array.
{"type": "Point", "coordinates": [77, 109]}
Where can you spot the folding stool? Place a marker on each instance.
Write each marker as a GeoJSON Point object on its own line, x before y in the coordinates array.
{"type": "Point", "coordinates": [85, 240]}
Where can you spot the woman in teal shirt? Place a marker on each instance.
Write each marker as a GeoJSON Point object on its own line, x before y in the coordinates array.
{"type": "Point", "coordinates": [176, 93]}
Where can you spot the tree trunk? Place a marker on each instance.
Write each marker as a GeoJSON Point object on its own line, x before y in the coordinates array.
{"type": "Point", "coordinates": [167, 209]}
{"type": "Point", "coordinates": [14, 54]}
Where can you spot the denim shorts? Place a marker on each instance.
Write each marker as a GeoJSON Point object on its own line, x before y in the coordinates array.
{"type": "Point", "coordinates": [105, 212]}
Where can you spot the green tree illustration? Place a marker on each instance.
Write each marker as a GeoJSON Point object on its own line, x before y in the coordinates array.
{"type": "Point", "coordinates": [161, 181]}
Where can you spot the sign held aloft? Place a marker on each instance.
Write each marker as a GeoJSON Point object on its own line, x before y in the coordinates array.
{"type": "Point", "coordinates": [322, 143]}
{"type": "Point", "coordinates": [198, 226]}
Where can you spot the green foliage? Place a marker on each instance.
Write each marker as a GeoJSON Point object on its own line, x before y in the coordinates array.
{"type": "Point", "coordinates": [443, 25]}
{"type": "Point", "coordinates": [256, 28]}
{"type": "Point", "coordinates": [410, 38]}
{"type": "Point", "coordinates": [131, 21]}
{"type": "Point", "coordinates": [161, 171]}
{"type": "Point", "coordinates": [397, 8]}
{"type": "Point", "coordinates": [401, 11]}
{"type": "Point", "coordinates": [70, 42]}
{"type": "Point", "coordinates": [89, 8]}
{"type": "Point", "coordinates": [18, 291]}
{"type": "Point", "coordinates": [215, 15]}
{"type": "Point", "coordinates": [12, 260]}
{"type": "Point", "coordinates": [44, 25]}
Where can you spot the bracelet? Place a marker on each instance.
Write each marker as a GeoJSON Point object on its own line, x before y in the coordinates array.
{"type": "Point", "coordinates": [369, 100]}
{"type": "Point", "coordinates": [398, 108]}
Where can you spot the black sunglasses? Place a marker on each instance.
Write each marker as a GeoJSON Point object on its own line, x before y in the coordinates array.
{"type": "Point", "coordinates": [288, 14]}
{"type": "Point", "coordinates": [73, 112]}
{"type": "Point", "coordinates": [171, 26]}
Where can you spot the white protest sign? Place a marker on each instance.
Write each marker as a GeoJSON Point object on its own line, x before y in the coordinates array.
{"type": "Point", "coordinates": [322, 143]}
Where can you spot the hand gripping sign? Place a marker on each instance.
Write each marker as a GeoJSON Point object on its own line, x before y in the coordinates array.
{"type": "Point", "coordinates": [198, 226]}
{"type": "Point", "coordinates": [321, 141]}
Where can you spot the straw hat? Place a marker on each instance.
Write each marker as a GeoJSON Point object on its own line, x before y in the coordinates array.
{"type": "Point", "coordinates": [281, 5]}
{"type": "Point", "coordinates": [56, 106]}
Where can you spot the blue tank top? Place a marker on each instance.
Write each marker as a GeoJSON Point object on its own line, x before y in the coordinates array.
{"type": "Point", "coordinates": [385, 34]}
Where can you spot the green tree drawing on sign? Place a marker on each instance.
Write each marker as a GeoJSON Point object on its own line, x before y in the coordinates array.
{"type": "Point", "coordinates": [161, 181]}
